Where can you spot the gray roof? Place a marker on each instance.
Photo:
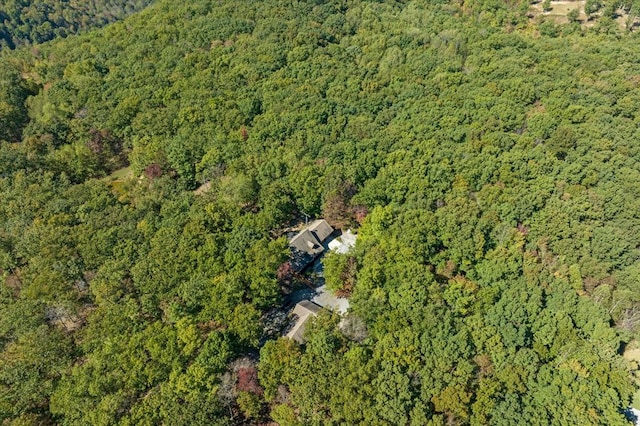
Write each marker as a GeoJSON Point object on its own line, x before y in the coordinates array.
{"type": "Point", "coordinates": [306, 242]}
{"type": "Point", "coordinates": [307, 245]}
{"type": "Point", "coordinates": [306, 307]}
{"type": "Point", "coordinates": [320, 229]}
{"type": "Point", "coordinates": [304, 310]}
{"type": "Point", "coordinates": [310, 239]}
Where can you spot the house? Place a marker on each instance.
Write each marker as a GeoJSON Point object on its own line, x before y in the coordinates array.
{"type": "Point", "coordinates": [304, 311]}
{"type": "Point", "coordinates": [307, 244]}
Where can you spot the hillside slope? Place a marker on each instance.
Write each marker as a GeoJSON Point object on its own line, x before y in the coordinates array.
{"type": "Point", "coordinates": [495, 279]}
{"type": "Point", "coordinates": [30, 22]}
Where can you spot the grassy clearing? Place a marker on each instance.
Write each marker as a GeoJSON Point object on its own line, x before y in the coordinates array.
{"type": "Point", "coordinates": [118, 180]}
{"type": "Point", "coordinates": [120, 175]}
{"type": "Point", "coordinates": [205, 187]}
{"type": "Point", "coordinates": [560, 10]}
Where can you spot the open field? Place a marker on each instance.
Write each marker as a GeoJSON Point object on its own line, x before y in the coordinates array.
{"type": "Point", "coordinates": [561, 9]}
{"type": "Point", "coordinates": [120, 175]}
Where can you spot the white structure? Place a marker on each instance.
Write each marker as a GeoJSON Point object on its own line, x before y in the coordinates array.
{"type": "Point", "coordinates": [344, 243]}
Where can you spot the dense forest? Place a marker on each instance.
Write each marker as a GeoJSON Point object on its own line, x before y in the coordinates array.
{"type": "Point", "coordinates": [25, 22]}
{"type": "Point", "coordinates": [490, 162]}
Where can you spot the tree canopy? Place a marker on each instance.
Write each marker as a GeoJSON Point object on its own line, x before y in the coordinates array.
{"type": "Point", "coordinates": [488, 160]}
{"type": "Point", "coordinates": [27, 22]}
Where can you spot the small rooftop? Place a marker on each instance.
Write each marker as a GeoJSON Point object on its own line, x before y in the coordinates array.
{"type": "Point", "coordinates": [344, 243]}
{"type": "Point", "coordinates": [304, 311]}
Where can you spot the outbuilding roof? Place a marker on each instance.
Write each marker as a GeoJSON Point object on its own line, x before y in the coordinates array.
{"type": "Point", "coordinates": [304, 311]}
